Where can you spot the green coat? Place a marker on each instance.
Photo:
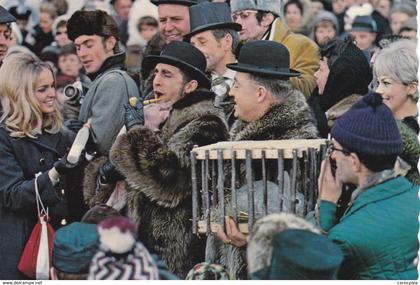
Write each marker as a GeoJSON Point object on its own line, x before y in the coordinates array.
{"type": "Point", "coordinates": [378, 233]}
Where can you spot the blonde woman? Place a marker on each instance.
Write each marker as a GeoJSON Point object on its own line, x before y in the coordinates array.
{"type": "Point", "coordinates": [30, 143]}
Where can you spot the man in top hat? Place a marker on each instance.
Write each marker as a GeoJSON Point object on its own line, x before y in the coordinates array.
{"type": "Point", "coordinates": [363, 31]}
{"type": "Point", "coordinates": [95, 35]}
{"type": "Point", "coordinates": [260, 21]}
{"type": "Point", "coordinates": [267, 108]}
{"type": "Point", "coordinates": [156, 163]}
{"type": "Point", "coordinates": [215, 35]}
{"type": "Point", "coordinates": [5, 31]}
{"type": "Point", "coordinates": [378, 232]}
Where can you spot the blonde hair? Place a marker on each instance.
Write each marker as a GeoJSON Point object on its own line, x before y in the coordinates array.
{"type": "Point", "coordinates": [21, 111]}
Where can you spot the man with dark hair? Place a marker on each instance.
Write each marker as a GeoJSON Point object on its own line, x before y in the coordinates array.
{"type": "Point", "coordinates": [378, 232]}
{"type": "Point", "coordinates": [95, 35]}
{"type": "Point", "coordinates": [155, 158]}
{"type": "Point", "coordinates": [120, 13]}
{"type": "Point", "coordinates": [260, 21]}
{"type": "Point", "coordinates": [215, 35]}
{"type": "Point", "coordinates": [5, 31]}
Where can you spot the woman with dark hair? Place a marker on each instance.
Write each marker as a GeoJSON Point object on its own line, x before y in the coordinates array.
{"type": "Point", "coordinates": [344, 75]}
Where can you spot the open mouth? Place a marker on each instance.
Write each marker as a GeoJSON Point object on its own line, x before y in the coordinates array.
{"type": "Point", "coordinates": [157, 94]}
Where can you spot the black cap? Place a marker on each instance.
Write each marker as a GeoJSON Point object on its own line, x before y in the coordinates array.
{"type": "Point", "coordinates": [264, 58]}
{"type": "Point", "coordinates": [175, 2]}
{"type": "Point", "coordinates": [5, 16]}
{"type": "Point", "coordinates": [211, 16]}
{"type": "Point", "coordinates": [184, 56]}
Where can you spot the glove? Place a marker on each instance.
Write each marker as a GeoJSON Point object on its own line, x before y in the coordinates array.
{"type": "Point", "coordinates": [134, 116]}
{"type": "Point", "coordinates": [108, 174]}
{"type": "Point", "coordinates": [74, 125]}
{"type": "Point", "coordinates": [63, 167]}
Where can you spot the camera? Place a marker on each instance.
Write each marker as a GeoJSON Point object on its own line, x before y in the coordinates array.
{"type": "Point", "coordinates": [74, 91]}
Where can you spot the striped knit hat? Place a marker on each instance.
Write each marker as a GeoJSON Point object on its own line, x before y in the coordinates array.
{"type": "Point", "coordinates": [120, 257]}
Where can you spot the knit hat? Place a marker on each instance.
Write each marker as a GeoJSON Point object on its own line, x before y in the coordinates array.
{"type": "Point", "coordinates": [369, 127]}
{"type": "Point", "coordinates": [273, 6]}
{"type": "Point", "coordinates": [74, 247]}
{"type": "Point", "coordinates": [364, 24]}
{"type": "Point", "coordinates": [22, 12]}
{"type": "Point", "coordinates": [301, 255]}
{"type": "Point", "coordinates": [120, 257]}
{"type": "Point", "coordinates": [91, 23]}
{"type": "Point", "coordinates": [324, 16]}
{"type": "Point", "coordinates": [207, 271]}
{"type": "Point", "coordinates": [99, 212]}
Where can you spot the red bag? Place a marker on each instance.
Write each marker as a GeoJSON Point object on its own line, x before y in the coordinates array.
{"type": "Point", "coordinates": [35, 261]}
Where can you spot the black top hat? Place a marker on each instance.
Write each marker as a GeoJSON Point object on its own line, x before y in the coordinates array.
{"type": "Point", "coordinates": [177, 2]}
{"type": "Point", "coordinates": [184, 56]}
{"type": "Point", "coordinates": [20, 15]}
{"type": "Point", "coordinates": [264, 58]}
{"type": "Point", "coordinates": [210, 16]}
{"type": "Point", "coordinates": [5, 16]}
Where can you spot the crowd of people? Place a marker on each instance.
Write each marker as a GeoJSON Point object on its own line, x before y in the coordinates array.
{"type": "Point", "coordinates": [151, 79]}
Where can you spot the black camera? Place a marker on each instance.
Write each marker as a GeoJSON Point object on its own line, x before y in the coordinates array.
{"type": "Point", "coordinates": [74, 91]}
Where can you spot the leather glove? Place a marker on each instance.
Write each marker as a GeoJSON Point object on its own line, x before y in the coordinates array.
{"type": "Point", "coordinates": [63, 167]}
{"type": "Point", "coordinates": [134, 116]}
{"type": "Point", "coordinates": [108, 174]}
{"type": "Point", "coordinates": [74, 125]}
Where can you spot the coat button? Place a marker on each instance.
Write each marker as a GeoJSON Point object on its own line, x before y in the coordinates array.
{"type": "Point", "coordinates": [42, 161]}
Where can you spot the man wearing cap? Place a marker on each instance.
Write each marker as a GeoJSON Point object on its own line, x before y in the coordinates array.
{"type": "Point", "coordinates": [363, 30]}
{"type": "Point", "coordinates": [267, 108]}
{"type": "Point", "coordinates": [260, 21]}
{"type": "Point", "coordinates": [378, 232]}
{"type": "Point", "coordinates": [95, 35]}
{"type": "Point", "coordinates": [156, 163]}
{"type": "Point", "coordinates": [5, 31]}
{"type": "Point", "coordinates": [215, 35]}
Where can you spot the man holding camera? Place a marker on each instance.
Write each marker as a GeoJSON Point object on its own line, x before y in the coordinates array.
{"type": "Point", "coordinates": [95, 35]}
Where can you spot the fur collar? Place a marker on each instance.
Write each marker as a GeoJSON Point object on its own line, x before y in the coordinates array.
{"type": "Point", "coordinates": [193, 98]}
{"type": "Point", "coordinates": [291, 119]}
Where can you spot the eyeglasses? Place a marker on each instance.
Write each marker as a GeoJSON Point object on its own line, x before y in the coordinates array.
{"type": "Point", "coordinates": [331, 148]}
{"type": "Point", "coordinates": [243, 15]}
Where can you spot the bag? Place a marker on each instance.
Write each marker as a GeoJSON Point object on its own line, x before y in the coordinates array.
{"type": "Point", "coordinates": [36, 257]}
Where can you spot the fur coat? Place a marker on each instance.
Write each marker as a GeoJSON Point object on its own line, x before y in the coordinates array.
{"type": "Point", "coordinates": [291, 119]}
{"type": "Point", "coordinates": [158, 174]}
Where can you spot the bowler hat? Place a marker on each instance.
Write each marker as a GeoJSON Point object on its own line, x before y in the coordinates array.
{"type": "Point", "coordinates": [184, 56]}
{"type": "Point", "coordinates": [301, 255]}
{"type": "Point", "coordinates": [175, 2]}
{"type": "Point", "coordinates": [5, 16]}
{"type": "Point", "coordinates": [264, 58]}
{"type": "Point", "coordinates": [210, 16]}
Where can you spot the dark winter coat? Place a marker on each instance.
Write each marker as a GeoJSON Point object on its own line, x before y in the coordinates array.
{"type": "Point", "coordinates": [291, 119]}
{"type": "Point", "coordinates": [157, 170]}
{"type": "Point", "coordinates": [20, 160]}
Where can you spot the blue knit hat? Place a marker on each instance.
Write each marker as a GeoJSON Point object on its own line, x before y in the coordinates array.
{"type": "Point", "coordinates": [74, 247]}
{"type": "Point", "coordinates": [369, 127]}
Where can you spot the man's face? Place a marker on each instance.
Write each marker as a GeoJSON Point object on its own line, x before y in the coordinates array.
{"type": "Point", "coordinates": [343, 160]}
{"type": "Point", "coordinates": [396, 20]}
{"type": "Point", "coordinates": [93, 51]}
{"type": "Point", "coordinates": [69, 64]}
{"type": "Point", "coordinates": [324, 33]}
{"type": "Point", "coordinates": [244, 93]}
{"type": "Point", "coordinates": [174, 21]}
{"type": "Point", "coordinates": [364, 40]}
{"type": "Point", "coordinates": [45, 22]}
{"type": "Point", "coordinates": [5, 36]}
{"type": "Point", "coordinates": [338, 6]}
{"type": "Point", "coordinates": [61, 36]}
{"type": "Point", "coordinates": [383, 7]}
{"type": "Point", "coordinates": [251, 29]}
{"type": "Point", "coordinates": [168, 83]}
{"type": "Point", "coordinates": [210, 47]}
{"type": "Point", "coordinates": [122, 7]}
{"type": "Point", "coordinates": [321, 75]}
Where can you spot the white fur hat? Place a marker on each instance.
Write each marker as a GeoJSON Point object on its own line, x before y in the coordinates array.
{"type": "Point", "coordinates": [273, 6]}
